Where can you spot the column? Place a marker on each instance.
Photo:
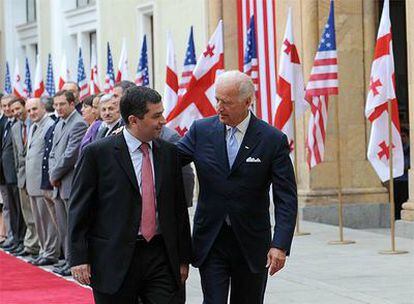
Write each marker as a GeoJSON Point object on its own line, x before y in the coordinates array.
{"type": "Point", "coordinates": [407, 213]}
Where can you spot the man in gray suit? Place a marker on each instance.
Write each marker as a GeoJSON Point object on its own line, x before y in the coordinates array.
{"type": "Point", "coordinates": [19, 133]}
{"type": "Point", "coordinates": [67, 138]}
{"type": "Point", "coordinates": [42, 210]}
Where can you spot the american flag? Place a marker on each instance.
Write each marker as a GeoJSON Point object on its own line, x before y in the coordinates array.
{"type": "Point", "coordinates": [323, 82]}
{"type": "Point", "coordinates": [27, 80]}
{"type": "Point", "coordinates": [190, 62]}
{"type": "Point", "coordinates": [7, 80]}
{"type": "Point", "coordinates": [109, 77]}
{"type": "Point", "coordinates": [265, 34]}
{"type": "Point", "coordinates": [50, 82]}
{"type": "Point", "coordinates": [251, 66]}
{"type": "Point", "coordinates": [142, 76]}
{"type": "Point", "coordinates": [82, 81]}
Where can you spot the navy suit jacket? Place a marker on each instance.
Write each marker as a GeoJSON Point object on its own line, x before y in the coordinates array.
{"type": "Point", "coordinates": [241, 192]}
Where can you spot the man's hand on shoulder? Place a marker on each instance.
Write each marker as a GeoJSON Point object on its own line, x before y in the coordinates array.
{"type": "Point", "coordinates": [184, 272]}
{"type": "Point", "coordinates": [276, 259]}
{"type": "Point", "coordinates": [82, 273]}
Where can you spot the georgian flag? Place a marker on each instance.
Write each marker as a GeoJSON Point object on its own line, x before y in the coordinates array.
{"type": "Point", "coordinates": [381, 90]}
{"type": "Point", "coordinates": [290, 86]}
{"type": "Point", "coordinates": [64, 75]}
{"type": "Point", "coordinates": [123, 63]}
{"type": "Point", "coordinates": [199, 100]}
{"type": "Point", "coordinates": [18, 90]}
{"type": "Point", "coordinates": [171, 79]}
{"type": "Point", "coordinates": [39, 85]}
{"type": "Point", "coordinates": [94, 86]}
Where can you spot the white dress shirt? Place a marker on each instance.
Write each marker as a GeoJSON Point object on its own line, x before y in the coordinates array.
{"type": "Point", "coordinates": [241, 130]}
{"type": "Point", "coordinates": [136, 155]}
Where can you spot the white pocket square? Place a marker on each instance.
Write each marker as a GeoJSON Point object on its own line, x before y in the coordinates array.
{"type": "Point", "coordinates": [253, 160]}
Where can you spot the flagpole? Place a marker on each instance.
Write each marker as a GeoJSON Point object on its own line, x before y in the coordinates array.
{"type": "Point", "coordinates": [295, 163]}
{"type": "Point", "coordinates": [341, 240]}
{"type": "Point", "coordinates": [391, 183]}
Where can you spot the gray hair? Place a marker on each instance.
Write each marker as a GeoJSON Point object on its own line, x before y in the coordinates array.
{"type": "Point", "coordinates": [106, 98]}
{"type": "Point", "coordinates": [243, 82]}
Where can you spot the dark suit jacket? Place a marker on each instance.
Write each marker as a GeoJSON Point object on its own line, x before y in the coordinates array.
{"type": "Point", "coordinates": [241, 192]}
{"type": "Point", "coordinates": [7, 159]}
{"type": "Point", "coordinates": [105, 210]}
{"type": "Point", "coordinates": [3, 121]}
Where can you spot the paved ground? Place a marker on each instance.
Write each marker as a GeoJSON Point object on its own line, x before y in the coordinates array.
{"type": "Point", "coordinates": [340, 274]}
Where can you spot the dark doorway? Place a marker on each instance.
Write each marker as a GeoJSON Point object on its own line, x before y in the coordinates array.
{"type": "Point", "coordinates": [399, 35]}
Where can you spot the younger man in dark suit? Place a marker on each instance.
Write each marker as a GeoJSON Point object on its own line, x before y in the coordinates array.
{"type": "Point", "coordinates": [129, 234]}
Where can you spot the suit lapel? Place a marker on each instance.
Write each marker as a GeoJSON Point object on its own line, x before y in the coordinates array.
{"type": "Point", "coordinates": [157, 159]}
{"type": "Point", "coordinates": [248, 144]}
{"type": "Point", "coordinates": [122, 156]}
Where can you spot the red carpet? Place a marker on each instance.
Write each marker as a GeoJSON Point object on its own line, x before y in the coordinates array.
{"type": "Point", "coordinates": [21, 282]}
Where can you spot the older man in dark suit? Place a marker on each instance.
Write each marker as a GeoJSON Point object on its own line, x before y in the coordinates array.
{"type": "Point", "coordinates": [237, 158]}
{"type": "Point", "coordinates": [12, 211]}
{"type": "Point", "coordinates": [128, 222]}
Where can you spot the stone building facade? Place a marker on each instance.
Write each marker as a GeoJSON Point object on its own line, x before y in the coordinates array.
{"type": "Point", "coordinates": [65, 25]}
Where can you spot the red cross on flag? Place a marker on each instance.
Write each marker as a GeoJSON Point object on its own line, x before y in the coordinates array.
{"type": "Point", "coordinates": [17, 82]}
{"type": "Point", "coordinates": [39, 85]}
{"type": "Point", "coordinates": [199, 100]}
{"type": "Point", "coordinates": [123, 63]}
{"type": "Point", "coordinates": [64, 75]}
{"type": "Point", "coordinates": [381, 90]}
{"type": "Point", "coordinates": [171, 78]}
{"type": "Point", "coordinates": [290, 87]}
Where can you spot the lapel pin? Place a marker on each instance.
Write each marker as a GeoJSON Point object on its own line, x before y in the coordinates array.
{"type": "Point", "coordinates": [246, 147]}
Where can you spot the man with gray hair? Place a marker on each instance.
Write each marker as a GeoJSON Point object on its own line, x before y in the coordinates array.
{"type": "Point", "coordinates": [109, 109]}
{"type": "Point", "coordinates": [237, 158]}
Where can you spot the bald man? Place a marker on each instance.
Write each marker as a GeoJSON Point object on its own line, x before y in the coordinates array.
{"type": "Point", "coordinates": [43, 210]}
{"type": "Point", "coordinates": [237, 158]}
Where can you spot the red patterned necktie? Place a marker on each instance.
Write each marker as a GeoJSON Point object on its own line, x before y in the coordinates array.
{"type": "Point", "coordinates": [148, 225]}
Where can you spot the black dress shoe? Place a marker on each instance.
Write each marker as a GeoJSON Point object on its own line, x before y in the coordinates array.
{"type": "Point", "coordinates": [8, 245]}
{"type": "Point", "coordinates": [34, 260]}
{"type": "Point", "coordinates": [44, 262]}
{"type": "Point", "coordinates": [25, 253]}
{"type": "Point", "coordinates": [64, 272]}
{"type": "Point", "coordinates": [17, 248]}
{"type": "Point", "coordinates": [60, 264]}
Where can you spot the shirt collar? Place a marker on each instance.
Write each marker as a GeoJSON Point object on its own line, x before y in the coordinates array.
{"type": "Point", "coordinates": [70, 115]}
{"type": "Point", "coordinates": [113, 124]}
{"type": "Point", "coordinates": [132, 142]}
{"type": "Point", "coordinates": [242, 127]}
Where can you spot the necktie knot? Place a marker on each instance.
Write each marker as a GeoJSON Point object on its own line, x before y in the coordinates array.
{"type": "Point", "coordinates": [233, 131]}
{"type": "Point", "coordinates": [144, 148]}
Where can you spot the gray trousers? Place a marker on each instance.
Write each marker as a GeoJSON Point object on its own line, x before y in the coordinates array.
{"type": "Point", "coordinates": [31, 240]}
{"type": "Point", "coordinates": [62, 210]}
{"type": "Point", "coordinates": [45, 228]}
